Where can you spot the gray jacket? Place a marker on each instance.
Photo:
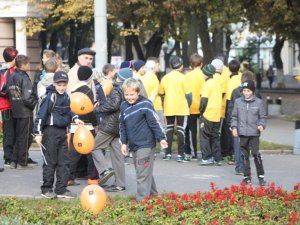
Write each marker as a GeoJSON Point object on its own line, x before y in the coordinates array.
{"type": "Point", "coordinates": [247, 115]}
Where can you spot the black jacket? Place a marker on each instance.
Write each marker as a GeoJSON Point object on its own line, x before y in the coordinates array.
{"type": "Point", "coordinates": [54, 111]}
{"type": "Point", "coordinates": [21, 94]}
{"type": "Point", "coordinates": [111, 110]}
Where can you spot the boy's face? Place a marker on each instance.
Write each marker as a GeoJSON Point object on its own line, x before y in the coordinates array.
{"type": "Point", "coordinates": [247, 93]}
{"type": "Point", "coordinates": [44, 59]}
{"type": "Point", "coordinates": [25, 67]}
{"type": "Point", "coordinates": [112, 74]}
{"type": "Point", "coordinates": [131, 96]}
{"type": "Point", "coordinates": [61, 87]}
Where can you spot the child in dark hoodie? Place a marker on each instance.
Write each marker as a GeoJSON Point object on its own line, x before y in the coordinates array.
{"type": "Point", "coordinates": [50, 130]}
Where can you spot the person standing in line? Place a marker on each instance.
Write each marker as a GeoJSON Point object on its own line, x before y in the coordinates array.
{"type": "Point", "coordinates": [8, 122]}
{"type": "Point", "coordinates": [23, 100]}
{"type": "Point", "coordinates": [210, 116]}
{"type": "Point", "coordinates": [248, 120]}
{"type": "Point", "coordinates": [139, 130]}
{"type": "Point", "coordinates": [177, 99]}
{"type": "Point", "coordinates": [50, 131]}
{"type": "Point", "coordinates": [195, 79]}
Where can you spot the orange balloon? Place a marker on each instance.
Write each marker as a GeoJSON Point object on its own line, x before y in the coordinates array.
{"type": "Point", "coordinates": [297, 78]}
{"type": "Point", "coordinates": [107, 86]}
{"type": "Point", "coordinates": [93, 198]}
{"type": "Point", "coordinates": [81, 104]}
{"type": "Point", "coordinates": [68, 139]}
{"type": "Point", "coordinates": [83, 140]}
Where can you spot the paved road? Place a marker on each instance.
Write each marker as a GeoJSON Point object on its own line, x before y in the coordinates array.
{"type": "Point", "coordinates": [284, 170]}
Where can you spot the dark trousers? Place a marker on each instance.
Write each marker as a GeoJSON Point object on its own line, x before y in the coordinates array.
{"type": "Point", "coordinates": [180, 124]}
{"type": "Point", "coordinates": [75, 157]}
{"type": "Point", "coordinates": [247, 143]}
{"type": "Point", "coordinates": [210, 140]}
{"type": "Point", "coordinates": [226, 140]}
{"type": "Point", "coordinates": [57, 159]}
{"type": "Point", "coordinates": [9, 134]}
{"type": "Point", "coordinates": [23, 140]}
{"type": "Point", "coordinates": [191, 134]}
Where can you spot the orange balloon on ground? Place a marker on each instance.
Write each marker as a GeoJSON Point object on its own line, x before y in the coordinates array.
{"type": "Point", "coordinates": [81, 104]}
{"type": "Point", "coordinates": [83, 140]}
{"type": "Point", "coordinates": [93, 198]}
{"type": "Point", "coordinates": [107, 86]}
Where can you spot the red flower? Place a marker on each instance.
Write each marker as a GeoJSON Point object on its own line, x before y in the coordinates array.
{"type": "Point", "coordinates": [232, 199]}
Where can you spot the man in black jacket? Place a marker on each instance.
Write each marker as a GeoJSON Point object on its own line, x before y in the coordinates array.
{"type": "Point", "coordinates": [108, 134]}
{"type": "Point", "coordinates": [23, 100]}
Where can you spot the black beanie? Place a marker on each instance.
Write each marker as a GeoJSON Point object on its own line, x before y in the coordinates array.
{"type": "Point", "coordinates": [84, 73]}
{"type": "Point", "coordinates": [249, 84]}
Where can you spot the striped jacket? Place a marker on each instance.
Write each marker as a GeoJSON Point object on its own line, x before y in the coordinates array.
{"type": "Point", "coordinates": [139, 125]}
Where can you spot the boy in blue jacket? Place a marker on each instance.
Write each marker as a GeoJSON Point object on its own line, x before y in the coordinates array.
{"type": "Point", "coordinates": [139, 130]}
{"type": "Point", "coordinates": [248, 120]}
{"type": "Point", "coordinates": [50, 130]}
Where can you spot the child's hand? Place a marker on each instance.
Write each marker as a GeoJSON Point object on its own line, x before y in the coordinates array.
{"type": "Point", "coordinates": [38, 139]}
{"type": "Point", "coordinates": [260, 128]}
{"type": "Point", "coordinates": [235, 132]}
{"type": "Point", "coordinates": [124, 149]}
{"type": "Point", "coordinates": [163, 144]}
{"type": "Point", "coordinates": [79, 122]}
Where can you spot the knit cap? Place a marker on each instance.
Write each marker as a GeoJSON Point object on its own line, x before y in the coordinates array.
{"type": "Point", "coordinates": [249, 84]}
{"type": "Point", "coordinates": [84, 73]}
{"type": "Point", "coordinates": [138, 64]}
{"type": "Point", "coordinates": [124, 74]}
{"type": "Point", "coordinates": [218, 64]}
{"type": "Point", "coordinates": [150, 65]}
{"type": "Point", "coordinates": [209, 70]}
{"type": "Point", "coordinates": [125, 64]}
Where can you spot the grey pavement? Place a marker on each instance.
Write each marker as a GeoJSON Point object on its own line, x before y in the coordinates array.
{"type": "Point", "coordinates": [282, 169]}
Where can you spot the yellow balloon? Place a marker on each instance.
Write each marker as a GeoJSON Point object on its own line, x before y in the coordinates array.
{"type": "Point", "coordinates": [93, 198]}
{"type": "Point", "coordinates": [81, 104]}
{"type": "Point", "coordinates": [83, 140]}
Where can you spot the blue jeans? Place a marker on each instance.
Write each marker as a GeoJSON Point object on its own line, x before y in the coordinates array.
{"type": "Point", "coordinates": [237, 154]}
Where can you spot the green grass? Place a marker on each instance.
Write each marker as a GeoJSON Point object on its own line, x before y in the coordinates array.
{"type": "Point", "coordinates": [265, 145]}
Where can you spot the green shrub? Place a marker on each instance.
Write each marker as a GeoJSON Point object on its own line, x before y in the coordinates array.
{"type": "Point", "coordinates": [234, 205]}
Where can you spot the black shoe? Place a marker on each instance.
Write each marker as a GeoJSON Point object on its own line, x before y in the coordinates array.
{"type": "Point", "coordinates": [247, 180]}
{"type": "Point", "coordinates": [31, 162]}
{"type": "Point", "coordinates": [23, 167]}
{"type": "Point", "coordinates": [13, 165]}
{"type": "Point", "coordinates": [238, 172]}
{"type": "Point", "coordinates": [7, 163]}
{"type": "Point", "coordinates": [114, 189]}
{"type": "Point", "coordinates": [49, 194]}
{"type": "Point", "coordinates": [104, 177]}
{"type": "Point", "coordinates": [1, 169]}
{"type": "Point", "coordinates": [72, 183]}
{"type": "Point", "coordinates": [68, 194]}
{"type": "Point", "coordinates": [262, 181]}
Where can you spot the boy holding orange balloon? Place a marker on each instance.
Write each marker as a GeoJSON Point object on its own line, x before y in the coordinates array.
{"type": "Point", "coordinates": [50, 130]}
{"type": "Point", "coordinates": [139, 129]}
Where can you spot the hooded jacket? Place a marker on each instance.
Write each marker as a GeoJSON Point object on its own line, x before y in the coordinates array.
{"type": "Point", "coordinates": [4, 100]}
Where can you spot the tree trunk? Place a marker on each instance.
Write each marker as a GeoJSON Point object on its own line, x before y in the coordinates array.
{"type": "Point", "coordinates": [218, 42]}
{"type": "Point", "coordinates": [138, 48]}
{"type": "Point", "coordinates": [185, 55]}
{"type": "Point", "coordinates": [206, 44]}
{"type": "Point", "coordinates": [53, 41]}
{"type": "Point", "coordinates": [193, 37]}
{"type": "Point", "coordinates": [110, 38]}
{"type": "Point", "coordinates": [153, 46]}
{"type": "Point", "coordinates": [278, 62]}
{"type": "Point", "coordinates": [43, 40]}
{"type": "Point", "coordinates": [72, 59]}
{"type": "Point", "coordinates": [128, 43]}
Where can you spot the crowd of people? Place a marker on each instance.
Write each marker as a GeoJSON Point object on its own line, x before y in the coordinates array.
{"type": "Point", "coordinates": [133, 110]}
